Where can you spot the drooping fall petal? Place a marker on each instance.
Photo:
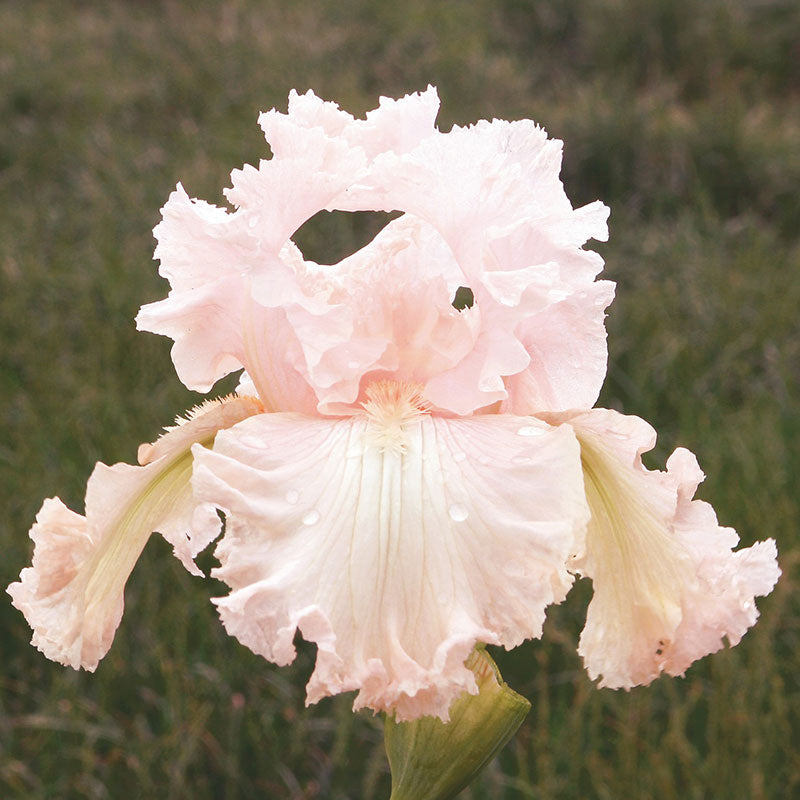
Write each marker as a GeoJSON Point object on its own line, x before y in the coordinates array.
{"type": "Point", "coordinates": [668, 586]}
{"type": "Point", "coordinates": [72, 595]}
{"type": "Point", "coordinates": [393, 539]}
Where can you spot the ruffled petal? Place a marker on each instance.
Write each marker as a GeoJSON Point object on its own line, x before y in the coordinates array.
{"type": "Point", "coordinates": [402, 285]}
{"type": "Point", "coordinates": [396, 125]}
{"type": "Point", "coordinates": [568, 354]}
{"type": "Point", "coordinates": [394, 541]}
{"type": "Point", "coordinates": [525, 322]}
{"type": "Point", "coordinates": [667, 585]}
{"type": "Point", "coordinates": [552, 238]}
{"type": "Point", "coordinates": [282, 193]}
{"type": "Point", "coordinates": [72, 595]}
{"type": "Point", "coordinates": [202, 323]}
{"type": "Point", "coordinates": [477, 380]}
{"type": "Point", "coordinates": [209, 256]}
{"type": "Point", "coordinates": [234, 275]}
{"type": "Point", "coordinates": [470, 181]}
{"type": "Point", "coordinates": [484, 209]}
{"type": "Point", "coordinates": [493, 193]}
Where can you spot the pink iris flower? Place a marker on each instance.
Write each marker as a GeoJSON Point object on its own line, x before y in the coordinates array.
{"type": "Point", "coordinates": [401, 479]}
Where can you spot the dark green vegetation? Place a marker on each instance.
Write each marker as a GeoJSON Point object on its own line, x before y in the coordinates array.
{"type": "Point", "coordinates": [683, 116]}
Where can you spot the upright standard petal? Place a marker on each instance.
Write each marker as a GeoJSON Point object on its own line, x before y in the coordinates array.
{"type": "Point", "coordinates": [492, 191]}
{"type": "Point", "coordinates": [667, 584]}
{"type": "Point", "coordinates": [566, 345]}
{"type": "Point", "coordinates": [393, 539]}
{"type": "Point", "coordinates": [484, 208]}
{"type": "Point", "coordinates": [396, 125]}
{"type": "Point", "coordinates": [217, 262]}
{"type": "Point", "coordinates": [72, 595]}
{"type": "Point", "coordinates": [402, 284]}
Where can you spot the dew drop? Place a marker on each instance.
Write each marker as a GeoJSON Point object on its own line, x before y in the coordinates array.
{"type": "Point", "coordinates": [311, 518]}
{"type": "Point", "coordinates": [747, 605]}
{"type": "Point", "coordinates": [292, 496]}
{"type": "Point", "coordinates": [253, 221]}
{"type": "Point", "coordinates": [521, 460]}
{"type": "Point", "coordinates": [483, 459]}
{"type": "Point", "coordinates": [459, 456]}
{"type": "Point", "coordinates": [458, 513]}
{"type": "Point", "coordinates": [353, 365]}
{"type": "Point", "coordinates": [529, 430]}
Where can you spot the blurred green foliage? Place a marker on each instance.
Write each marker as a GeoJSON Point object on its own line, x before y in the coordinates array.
{"type": "Point", "coordinates": [683, 116]}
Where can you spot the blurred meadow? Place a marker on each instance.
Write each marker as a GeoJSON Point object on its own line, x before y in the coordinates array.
{"type": "Point", "coordinates": [682, 115]}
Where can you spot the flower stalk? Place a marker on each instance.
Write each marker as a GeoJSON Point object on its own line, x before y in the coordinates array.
{"type": "Point", "coordinates": [435, 760]}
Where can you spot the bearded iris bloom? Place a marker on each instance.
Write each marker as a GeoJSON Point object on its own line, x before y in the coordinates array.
{"type": "Point", "coordinates": [401, 479]}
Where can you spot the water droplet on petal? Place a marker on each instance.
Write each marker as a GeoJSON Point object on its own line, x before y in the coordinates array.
{"type": "Point", "coordinates": [483, 459]}
{"type": "Point", "coordinates": [252, 222]}
{"type": "Point", "coordinates": [353, 365]}
{"type": "Point", "coordinates": [292, 496]}
{"type": "Point", "coordinates": [458, 513]}
{"type": "Point", "coordinates": [521, 460]}
{"type": "Point", "coordinates": [311, 518]}
{"type": "Point", "coordinates": [747, 605]}
{"type": "Point", "coordinates": [529, 430]}
{"type": "Point", "coordinates": [459, 456]}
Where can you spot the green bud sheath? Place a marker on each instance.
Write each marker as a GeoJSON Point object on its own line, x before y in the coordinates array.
{"type": "Point", "coordinates": [433, 760]}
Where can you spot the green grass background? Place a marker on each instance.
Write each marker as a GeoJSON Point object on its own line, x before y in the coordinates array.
{"type": "Point", "coordinates": [683, 116]}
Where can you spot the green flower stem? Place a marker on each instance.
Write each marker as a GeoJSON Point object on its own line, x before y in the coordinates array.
{"type": "Point", "coordinates": [433, 760]}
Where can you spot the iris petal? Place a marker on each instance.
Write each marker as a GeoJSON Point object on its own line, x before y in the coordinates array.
{"type": "Point", "coordinates": [72, 595]}
{"type": "Point", "coordinates": [668, 586]}
{"type": "Point", "coordinates": [483, 207]}
{"type": "Point", "coordinates": [394, 552]}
